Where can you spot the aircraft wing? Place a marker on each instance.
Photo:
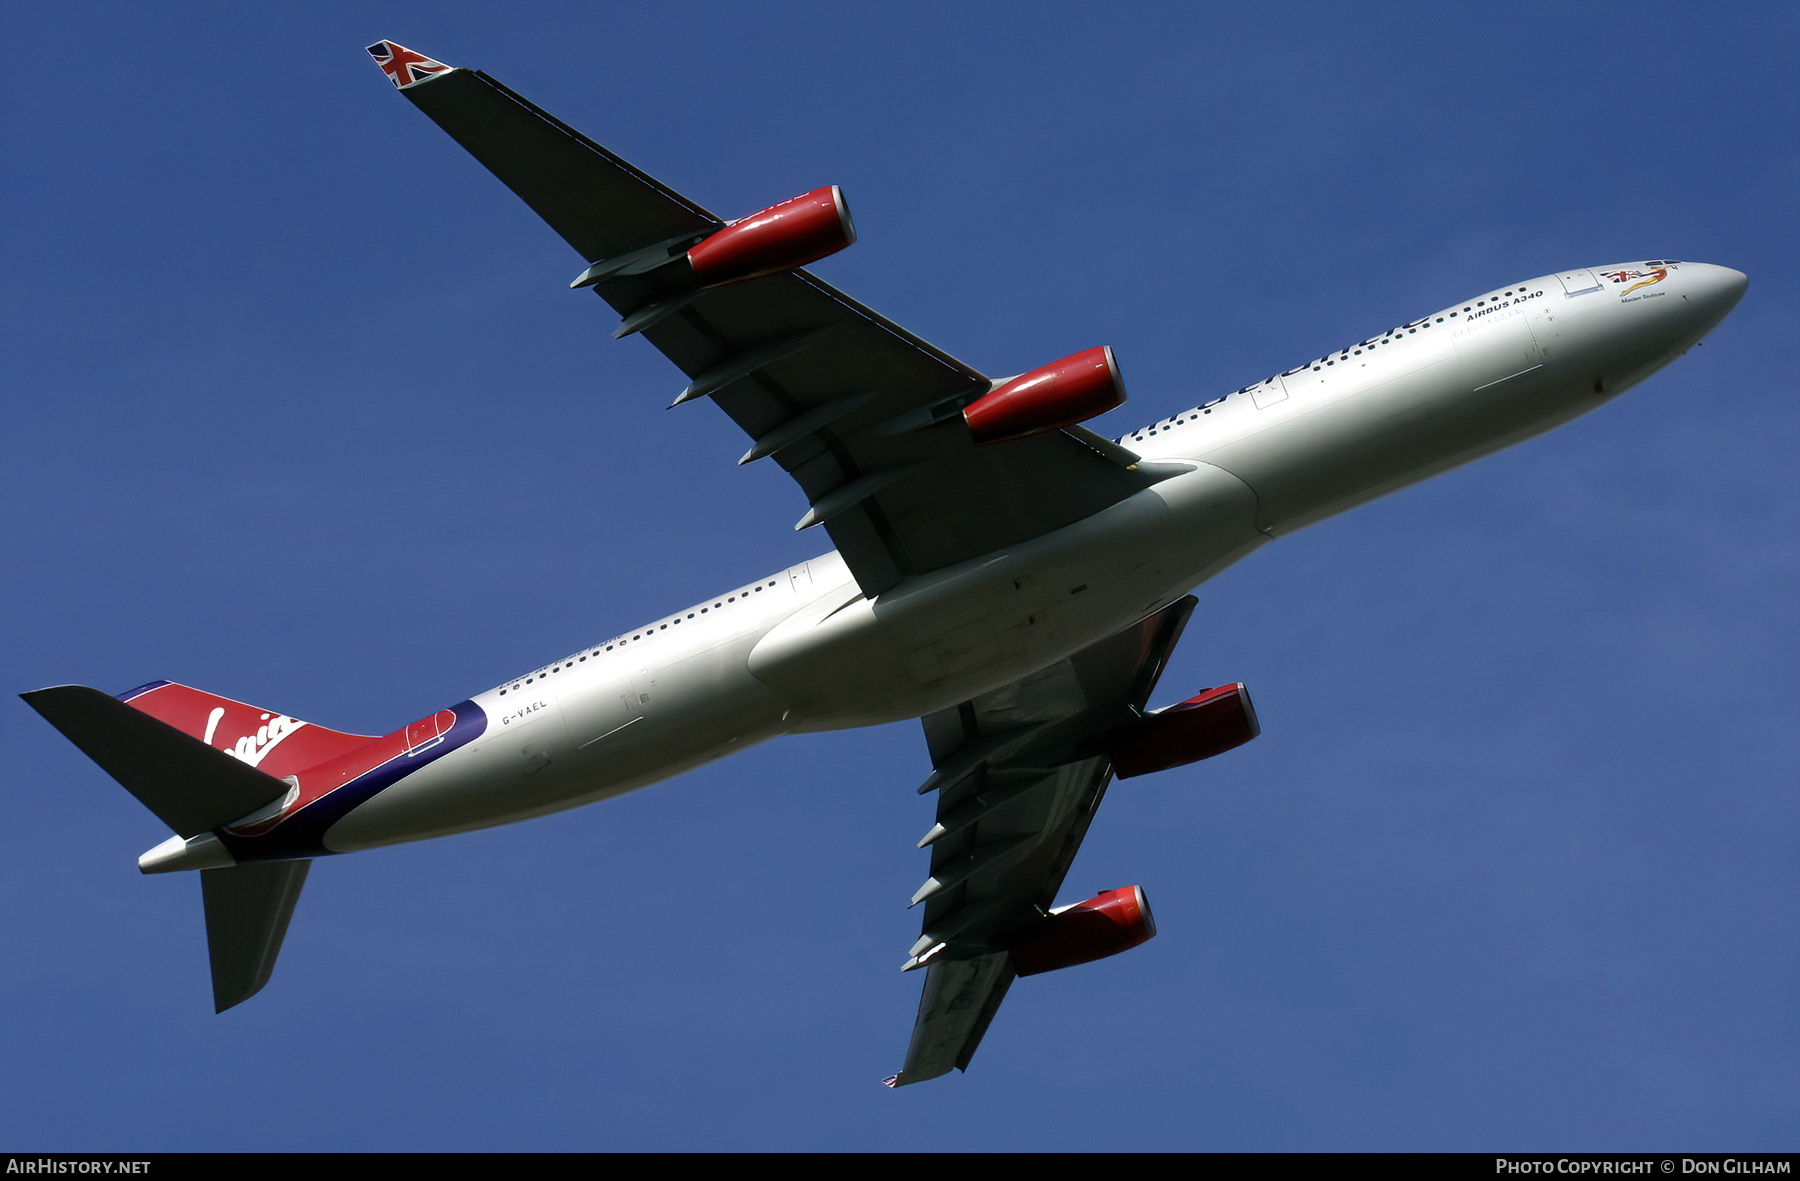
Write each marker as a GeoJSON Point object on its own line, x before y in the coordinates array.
{"type": "Point", "coordinates": [1019, 777]}
{"type": "Point", "coordinates": [863, 414]}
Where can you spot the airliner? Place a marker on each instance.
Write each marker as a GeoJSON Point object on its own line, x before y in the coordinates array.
{"type": "Point", "coordinates": [1001, 572]}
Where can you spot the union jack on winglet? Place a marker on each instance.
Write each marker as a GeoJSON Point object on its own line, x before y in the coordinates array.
{"type": "Point", "coordinates": [403, 65]}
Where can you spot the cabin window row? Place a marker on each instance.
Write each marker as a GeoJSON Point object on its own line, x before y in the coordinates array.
{"type": "Point", "coordinates": [621, 641]}
{"type": "Point", "coordinates": [1318, 366]}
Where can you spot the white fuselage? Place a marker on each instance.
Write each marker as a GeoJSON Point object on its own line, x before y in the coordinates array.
{"type": "Point", "coordinates": [805, 650]}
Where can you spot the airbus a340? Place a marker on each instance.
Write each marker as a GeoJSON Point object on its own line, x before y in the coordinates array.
{"type": "Point", "coordinates": [1001, 572]}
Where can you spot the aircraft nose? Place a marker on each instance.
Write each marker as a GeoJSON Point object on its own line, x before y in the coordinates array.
{"type": "Point", "coordinates": [1716, 290]}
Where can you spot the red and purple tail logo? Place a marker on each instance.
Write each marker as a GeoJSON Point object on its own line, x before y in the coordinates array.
{"type": "Point", "coordinates": [273, 743]}
{"type": "Point", "coordinates": [317, 762]}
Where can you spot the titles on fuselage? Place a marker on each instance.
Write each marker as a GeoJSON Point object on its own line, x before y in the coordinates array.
{"type": "Point", "coordinates": [1470, 312]}
{"type": "Point", "coordinates": [1504, 303]}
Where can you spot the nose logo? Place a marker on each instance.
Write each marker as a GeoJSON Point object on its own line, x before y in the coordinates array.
{"type": "Point", "coordinates": [1653, 275]}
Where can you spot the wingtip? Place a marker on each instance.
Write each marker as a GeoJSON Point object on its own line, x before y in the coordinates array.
{"type": "Point", "coordinates": [226, 1001]}
{"type": "Point", "coordinates": [405, 67]}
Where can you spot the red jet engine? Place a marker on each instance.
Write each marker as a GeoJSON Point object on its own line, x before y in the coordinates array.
{"type": "Point", "coordinates": [1106, 924]}
{"type": "Point", "coordinates": [1198, 728]}
{"type": "Point", "coordinates": [1057, 395]}
{"type": "Point", "coordinates": [790, 234]}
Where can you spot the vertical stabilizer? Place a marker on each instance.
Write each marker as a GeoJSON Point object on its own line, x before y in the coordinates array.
{"type": "Point", "coordinates": [247, 912]}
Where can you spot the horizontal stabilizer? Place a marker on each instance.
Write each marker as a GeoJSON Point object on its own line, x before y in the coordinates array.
{"type": "Point", "coordinates": [247, 912]}
{"type": "Point", "coordinates": [189, 785]}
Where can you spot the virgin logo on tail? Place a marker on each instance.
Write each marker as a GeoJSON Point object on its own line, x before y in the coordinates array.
{"type": "Point", "coordinates": [253, 748]}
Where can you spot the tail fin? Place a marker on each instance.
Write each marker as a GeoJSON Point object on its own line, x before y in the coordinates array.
{"type": "Point", "coordinates": [271, 742]}
{"type": "Point", "coordinates": [159, 743]}
{"type": "Point", "coordinates": [247, 912]}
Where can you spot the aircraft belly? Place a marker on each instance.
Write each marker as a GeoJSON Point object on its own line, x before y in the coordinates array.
{"type": "Point", "coordinates": [695, 708]}
{"type": "Point", "coordinates": [618, 729]}
{"type": "Point", "coordinates": [950, 635]}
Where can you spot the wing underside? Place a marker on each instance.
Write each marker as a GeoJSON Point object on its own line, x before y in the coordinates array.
{"type": "Point", "coordinates": [1020, 774]}
{"type": "Point", "coordinates": [863, 414]}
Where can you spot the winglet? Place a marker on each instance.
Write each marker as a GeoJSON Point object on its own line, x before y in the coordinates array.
{"type": "Point", "coordinates": [405, 67]}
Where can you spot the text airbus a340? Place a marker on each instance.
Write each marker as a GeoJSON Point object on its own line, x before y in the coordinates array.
{"type": "Point", "coordinates": [1006, 575]}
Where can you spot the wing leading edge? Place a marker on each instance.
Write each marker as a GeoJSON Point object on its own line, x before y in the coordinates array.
{"type": "Point", "coordinates": [1020, 774]}
{"type": "Point", "coordinates": [863, 414]}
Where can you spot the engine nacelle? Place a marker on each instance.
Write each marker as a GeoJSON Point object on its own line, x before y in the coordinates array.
{"type": "Point", "coordinates": [1198, 728]}
{"type": "Point", "coordinates": [790, 234]}
{"type": "Point", "coordinates": [1106, 924]}
{"type": "Point", "coordinates": [1059, 394]}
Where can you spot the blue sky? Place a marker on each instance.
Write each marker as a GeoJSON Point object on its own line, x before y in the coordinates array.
{"type": "Point", "coordinates": [298, 409]}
